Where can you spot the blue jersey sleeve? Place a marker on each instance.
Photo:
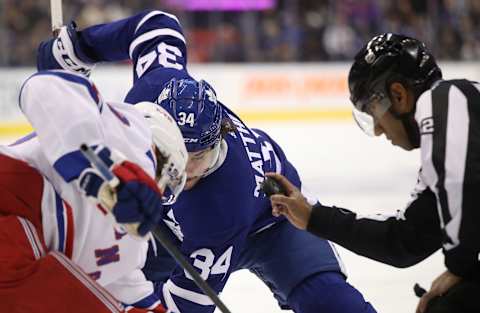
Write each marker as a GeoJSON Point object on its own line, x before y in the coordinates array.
{"type": "Point", "coordinates": [151, 39]}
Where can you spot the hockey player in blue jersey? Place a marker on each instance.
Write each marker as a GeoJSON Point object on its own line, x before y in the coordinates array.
{"type": "Point", "coordinates": [222, 222]}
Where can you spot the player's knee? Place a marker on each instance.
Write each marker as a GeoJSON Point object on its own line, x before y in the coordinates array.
{"type": "Point", "coordinates": [328, 292]}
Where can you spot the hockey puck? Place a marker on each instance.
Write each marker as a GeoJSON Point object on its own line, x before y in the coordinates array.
{"type": "Point", "coordinates": [271, 187]}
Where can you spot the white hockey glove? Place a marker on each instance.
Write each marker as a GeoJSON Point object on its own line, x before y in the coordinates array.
{"type": "Point", "coordinates": [64, 52]}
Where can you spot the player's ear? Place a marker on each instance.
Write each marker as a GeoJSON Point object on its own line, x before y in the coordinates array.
{"type": "Point", "coordinates": [400, 97]}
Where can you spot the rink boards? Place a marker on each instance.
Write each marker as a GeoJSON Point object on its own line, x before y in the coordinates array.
{"type": "Point", "coordinates": [258, 92]}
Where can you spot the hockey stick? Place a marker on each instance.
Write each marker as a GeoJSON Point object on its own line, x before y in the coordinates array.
{"type": "Point", "coordinates": [157, 232]}
{"type": "Point", "coordinates": [56, 16]}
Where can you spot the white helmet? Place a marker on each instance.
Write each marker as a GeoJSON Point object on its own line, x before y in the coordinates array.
{"type": "Point", "coordinates": [169, 142]}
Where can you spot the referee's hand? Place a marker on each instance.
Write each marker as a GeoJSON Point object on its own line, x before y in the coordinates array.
{"type": "Point", "coordinates": [293, 205]}
{"type": "Point", "coordinates": [439, 287]}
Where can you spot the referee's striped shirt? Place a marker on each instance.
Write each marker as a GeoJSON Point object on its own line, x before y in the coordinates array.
{"type": "Point", "coordinates": [448, 116]}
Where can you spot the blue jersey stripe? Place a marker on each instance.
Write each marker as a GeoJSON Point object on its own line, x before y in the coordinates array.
{"type": "Point", "coordinates": [60, 223]}
{"type": "Point", "coordinates": [150, 156]}
{"type": "Point", "coordinates": [70, 165]}
{"type": "Point", "coordinates": [24, 139]}
{"type": "Point", "coordinates": [147, 302]}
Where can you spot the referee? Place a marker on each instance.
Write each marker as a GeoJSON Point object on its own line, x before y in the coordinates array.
{"type": "Point", "coordinates": [397, 90]}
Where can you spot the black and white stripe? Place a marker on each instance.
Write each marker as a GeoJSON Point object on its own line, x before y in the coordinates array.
{"type": "Point", "coordinates": [447, 152]}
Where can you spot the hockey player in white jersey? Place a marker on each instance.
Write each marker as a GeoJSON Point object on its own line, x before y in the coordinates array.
{"type": "Point", "coordinates": [63, 244]}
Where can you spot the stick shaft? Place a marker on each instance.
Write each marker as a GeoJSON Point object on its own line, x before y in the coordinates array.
{"type": "Point", "coordinates": [56, 14]}
{"type": "Point", "coordinates": [159, 234]}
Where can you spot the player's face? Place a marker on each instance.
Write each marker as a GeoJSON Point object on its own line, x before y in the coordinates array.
{"type": "Point", "coordinates": [198, 164]}
{"type": "Point", "coordinates": [388, 124]}
{"type": "Point", "coordinates": [394, 130]}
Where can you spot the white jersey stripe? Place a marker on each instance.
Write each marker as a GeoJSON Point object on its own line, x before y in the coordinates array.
{"type": "Point", "coordinates": [189, 295]}
{"type": "Point", "coordinates": [111, 303]}
{"type": "Point", "coordinates": [152, 14]}
{"type": "Point", "coordinates": [343, 268]}
{"type": "Point", "coordinates": [169, 302]}
{"type": "Point", "coordinates": [152, 34]}
{"type": "Point", "coordinates": [458, 123]}
{"type": "Point", "coordinates": [32, 237]}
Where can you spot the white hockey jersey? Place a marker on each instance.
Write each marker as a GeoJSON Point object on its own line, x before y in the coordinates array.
{"type": "Point", "coordinates": [66, 111]}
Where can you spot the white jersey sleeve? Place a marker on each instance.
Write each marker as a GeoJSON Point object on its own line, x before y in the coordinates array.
{"type": "Point", "coordinates": [64, 109]}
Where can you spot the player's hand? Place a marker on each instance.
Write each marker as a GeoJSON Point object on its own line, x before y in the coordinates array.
{"type": "Point", "coordinates": [439, 287]}
{"type": "Point", "coordinates": [64, 52]}
{"type": "Point", "coordinates": [139, 200]}
{"type": "Point", "coordinates": [293, 205]}
{"type": "Point", "coordinates": [135, 203]}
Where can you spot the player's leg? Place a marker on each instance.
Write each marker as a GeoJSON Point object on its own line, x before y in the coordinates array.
{"type": "Point", "coordinates": [299, 268]}
{"type": "Point", "coordinates": [33, 280]}
{"type": "Point", "coordinates": [337, 296]}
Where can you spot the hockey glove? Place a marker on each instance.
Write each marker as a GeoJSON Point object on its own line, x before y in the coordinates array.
{"type": "Point", "coordinates": [64, 52]}
{"type": "Point", "coordinates": [136, 202]}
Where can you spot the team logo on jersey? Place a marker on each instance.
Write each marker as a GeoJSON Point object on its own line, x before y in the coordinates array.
{"type": "Point", "coordinates": [174, 226]}
{"type": "Point", "coordinates": [426, 126]}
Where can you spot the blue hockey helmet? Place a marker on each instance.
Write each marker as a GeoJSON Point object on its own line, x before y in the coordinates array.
{"type": "Point", "coordinates": [194, 106]}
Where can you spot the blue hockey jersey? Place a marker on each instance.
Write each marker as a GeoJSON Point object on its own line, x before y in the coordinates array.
{"type": "Point", "coordinates": [213, 220]}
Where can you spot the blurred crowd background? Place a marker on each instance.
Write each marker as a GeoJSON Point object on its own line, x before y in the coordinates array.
{"type": "Point", "coordinates": [283, 31]}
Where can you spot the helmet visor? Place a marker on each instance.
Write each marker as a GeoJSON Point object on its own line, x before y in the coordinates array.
{"type": "Point", "coordinates": [368, 111]}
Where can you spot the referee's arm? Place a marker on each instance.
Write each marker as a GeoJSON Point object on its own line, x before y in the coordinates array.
{"type": "Point", "coordinates": [401, 240]}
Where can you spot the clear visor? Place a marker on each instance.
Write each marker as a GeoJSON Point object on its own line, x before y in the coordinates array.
{"type": "Point", "coordinates": [368, 112]}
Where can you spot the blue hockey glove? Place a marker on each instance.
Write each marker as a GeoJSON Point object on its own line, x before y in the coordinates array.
{"type": "Point", "coordinates": [64, 52]}
{"type": "Point", "coordinates": [135, 203]}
